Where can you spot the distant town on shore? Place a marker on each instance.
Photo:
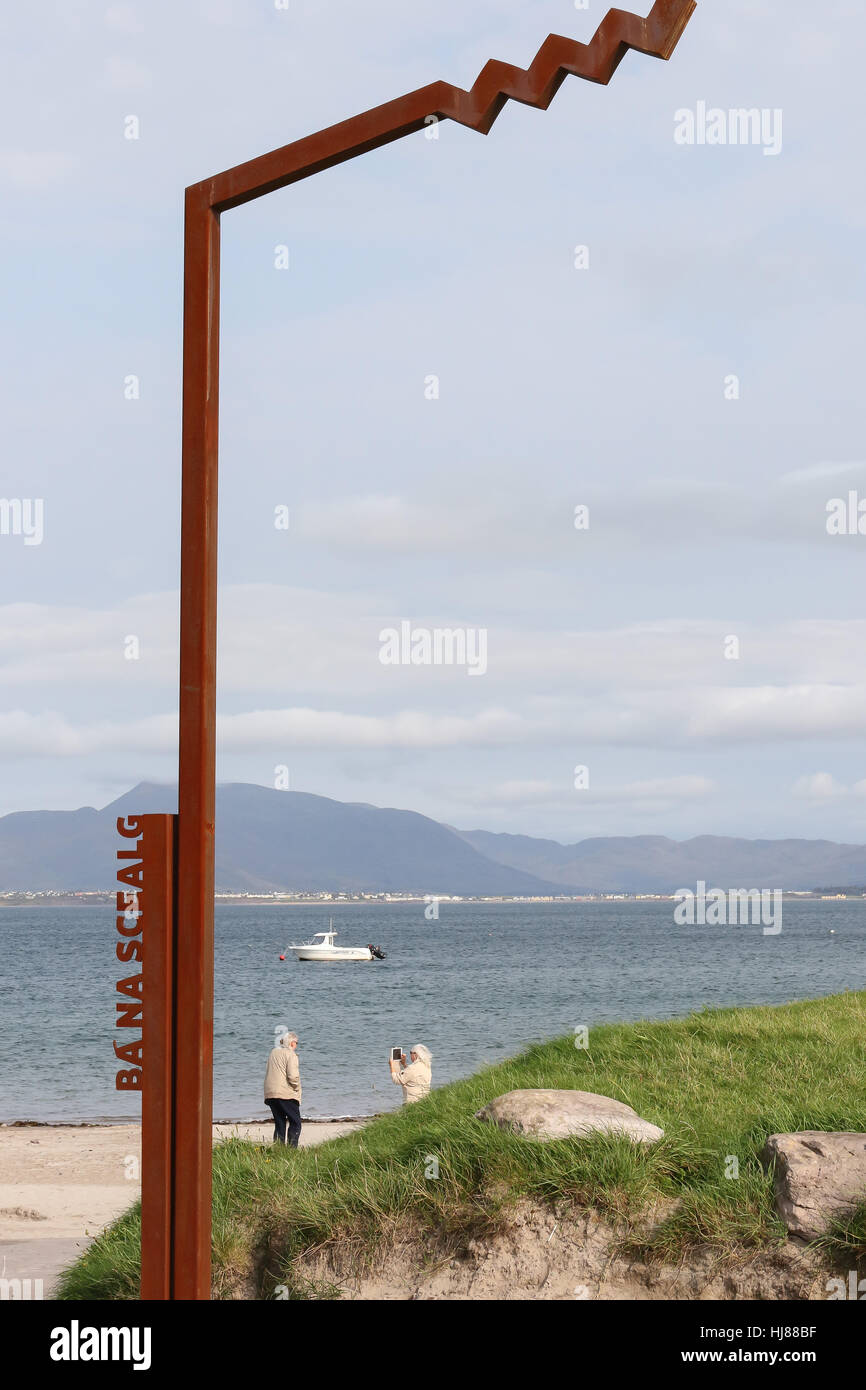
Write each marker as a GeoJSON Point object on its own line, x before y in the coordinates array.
{"type": "Point", "coordinates": [54, 897]}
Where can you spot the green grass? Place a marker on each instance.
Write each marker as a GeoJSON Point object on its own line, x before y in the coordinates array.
{"type": "Point", "coordinates": [717, 1082]}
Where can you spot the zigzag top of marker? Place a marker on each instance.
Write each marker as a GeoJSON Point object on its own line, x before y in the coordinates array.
{"type": "Point", "coordinates": [558, 58]}
{"type": "Point", "coordinates": [596, 61]}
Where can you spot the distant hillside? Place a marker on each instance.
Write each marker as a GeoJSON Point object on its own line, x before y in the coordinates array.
{"type": "Point", "coordinates": [266, 840]}
{"type": "Point", "coordinates": [271, 840]}
{"type": "Point", "coordinates": [655, 864]}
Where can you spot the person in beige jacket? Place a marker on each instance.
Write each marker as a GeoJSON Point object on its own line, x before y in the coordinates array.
{"type": "Point", "coordinates": [283, 1090]}
{"type": "Point", "coordinates": [415, 1079]}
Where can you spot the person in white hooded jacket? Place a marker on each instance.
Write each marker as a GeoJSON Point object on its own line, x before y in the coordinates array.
{"type": "Point", "coordinates": [416, 1077]}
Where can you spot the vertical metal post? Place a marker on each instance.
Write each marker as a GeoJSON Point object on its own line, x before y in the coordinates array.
{"type": "Point", "coordinates": [157, 1097]}
{"type": "Point", "coordinates": [197, 769]}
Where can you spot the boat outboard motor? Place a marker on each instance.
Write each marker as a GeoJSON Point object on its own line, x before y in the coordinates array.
{"type": "Point", "coordinates": [376, 952]}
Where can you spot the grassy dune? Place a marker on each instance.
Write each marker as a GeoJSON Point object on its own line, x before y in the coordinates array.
{"type": "Point", "coordinates": [718, 1082]}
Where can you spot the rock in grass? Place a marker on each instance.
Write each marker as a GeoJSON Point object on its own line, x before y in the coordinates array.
{"type": "Point", "coordinates": [820, 1176]}
{"type": "Point", "coordinates": [564, 1114]}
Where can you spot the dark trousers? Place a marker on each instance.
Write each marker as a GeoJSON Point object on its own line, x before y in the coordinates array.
{"type": "Point", "coordinates": [286, 1112]}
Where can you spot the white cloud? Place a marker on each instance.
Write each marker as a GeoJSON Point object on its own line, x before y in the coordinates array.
{"type": "Point", "coordinates": [23, 734]}
{"type": "Point", "coordinates": [771, 713]}
{"type": "Point", "coordinates": [655, 685]}
{"type": "Point", "coordinates": [52, 735]}
{"type": "Point", "coordinates": [822, 786]}
{"type": "Point", "coordinates": [527, 525]}
{"type": "Point", "coordinates": [334, 729]}
{"type": "Point", "coordinates": [277, 637]}
{"type": "Point", "coordinates": [652, 720]}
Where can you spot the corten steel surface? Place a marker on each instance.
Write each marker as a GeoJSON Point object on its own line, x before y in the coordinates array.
{"type": "Point", "coordinates": [157, 838]}
{"type": "Point", "coordinates": [657, 36]}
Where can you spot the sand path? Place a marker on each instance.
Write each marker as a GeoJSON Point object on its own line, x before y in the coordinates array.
{"type": "Point", "coordinates": [61, 1185]}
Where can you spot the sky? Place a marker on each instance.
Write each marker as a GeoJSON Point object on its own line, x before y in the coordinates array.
{"type": "Point", "coordinates": [425, 377]}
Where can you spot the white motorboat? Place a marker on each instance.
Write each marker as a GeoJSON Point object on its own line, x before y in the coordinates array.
{"type": "Point", "coordinates": [322, 947]}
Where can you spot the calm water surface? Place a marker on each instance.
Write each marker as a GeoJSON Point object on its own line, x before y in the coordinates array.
{"type": "Point", "coordinates": [476, 986]}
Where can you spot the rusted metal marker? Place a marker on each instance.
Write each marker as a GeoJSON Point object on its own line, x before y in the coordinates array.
{"type": "Point", "coordinates": [178, 1076]}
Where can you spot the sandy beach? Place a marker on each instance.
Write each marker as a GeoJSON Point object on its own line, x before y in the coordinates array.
{"type": "Point", "coordinates": [61, 1184]}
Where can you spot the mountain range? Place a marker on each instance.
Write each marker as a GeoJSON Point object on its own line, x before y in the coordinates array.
{"type": "Point", "coordinates": [656, 864]}
{"type": "Point", "coordinates": [266, 840]}
{"type": "Point", "coordinates": [270, 840]}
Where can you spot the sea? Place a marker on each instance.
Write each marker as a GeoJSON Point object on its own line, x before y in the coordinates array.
{"type": "Point", "coordinates": [477, 985]}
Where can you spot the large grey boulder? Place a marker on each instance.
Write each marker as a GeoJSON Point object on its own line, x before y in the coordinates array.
{"type": "Point", "coordinates": [819, 1176]}
{"type": "Point", "coordinates": [563, 1114]}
